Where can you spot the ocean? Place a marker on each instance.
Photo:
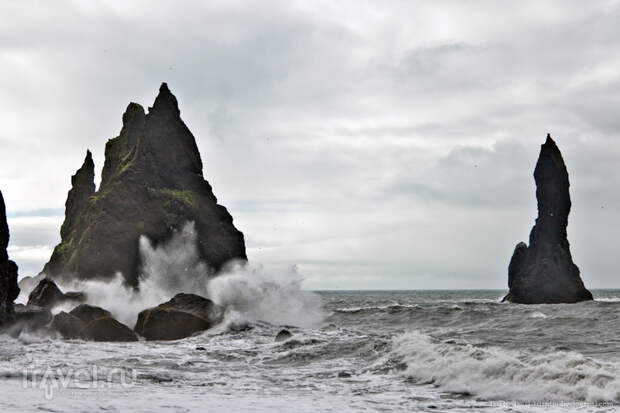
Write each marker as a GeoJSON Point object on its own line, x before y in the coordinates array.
{"type": "Point", "coordinates": [369, 351]}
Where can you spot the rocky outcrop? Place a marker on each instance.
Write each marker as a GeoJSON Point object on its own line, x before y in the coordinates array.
{"type": "Point", "coordinates": [182, 316]}
{"type": "Point", "coordinates": [88, 313]}
{"type": "Point", "coordinates": [108, 329]}
{"type": "Point", "coordinates": [31, 317]}
{"type": "Point", "coordinates": [82, 189]}
{"type": "Point", "coordinates": [47, 294]}
{"type": "Point", "coordinates": [88, 322]}
{"type": "Point", "coordinates": [69, 326]}
{"type": "Point", "coordinates": [9, 290]}
{"type": "Point", "coordinates": [544, 272]}
{"type": "Point", "coordinates": [283, 335]}
{"type": "Point", "coordinates": [152, 184]}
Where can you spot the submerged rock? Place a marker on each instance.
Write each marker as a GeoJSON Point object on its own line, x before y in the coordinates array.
{"type": "Point", "coordinates": [283, 335]}
{"type": "Point", "coordinates": [69, 326]}
{"type": "Point", "coordinates": [544, 272]}
{"type": "Point", "coordinates": [88, 322]}
{"type": "Point", "coordinates": [182, 316]}
{"type": "Point", "coordinates": [88, 313]}
{"type": "Point", "coordinates": [108, 329]}
{"type": "Point", "coordinates": [31, 317]}
{"type": "Point", "coordinates": [47, 294]}
{"type": "Point", "coordinates": [152, 184]}
{"type": "Point", "coordinates": [9, 290]}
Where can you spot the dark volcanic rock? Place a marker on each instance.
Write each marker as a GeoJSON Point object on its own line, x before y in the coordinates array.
{"type": "Point", "coordinates": [91, 323]}
{"type": "Point", "coordinates": [544, 272]}
{"type": "Point", "coordinates": [283, 335]}
{"type": "Point", "coordinates": [152, 184]}
{"type": "Point", "coordinates": [32, 317]}
{"type": "Point", "coordinates": [47, 294]}
{"type": "Point", "coordinates": [108, 329]}
{"type": "Point", "coordinates": [69, 326]}
{"type": "Point", "coordinates": [9, 290]}
{"type": "Point", "coordinates": [88, 313]}
{"type": "Point", "coordinates": [82, 188]}
{"type": "Point", "coordinates": [182, 316]}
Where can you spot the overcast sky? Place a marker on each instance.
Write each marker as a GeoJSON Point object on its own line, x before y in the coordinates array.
{"type": "Point", "coordinates": [376, 144]}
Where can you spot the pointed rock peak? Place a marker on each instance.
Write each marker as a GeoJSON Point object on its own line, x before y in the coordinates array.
{"type": "Point", "coordinates": [545, 272]}
{"type": "Point", "coordinates": [151, 184]}
{"type": "Point", "coordinates": [132, 110]}
{"type": "Point", "coordinates": [2, 207]}
{"type": "Point", "coordinates": [85, 176]}
{"type": "Point", "coordinates": [88, 163]}
{"type": "Point", "coordinates": [4, 231]}
{"type": "Point", "coordinates": [82, 188]}
{"type": "Point", "coordinates": [550, 151]}
{"type": "Point", "coordinates": [550, 142]}
{"type": "Point", "coordinates": [166, 101]}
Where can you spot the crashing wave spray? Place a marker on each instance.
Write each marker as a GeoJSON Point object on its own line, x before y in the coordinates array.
{"type": "Point", "coordinates": [247, 292]}
{"type": "Point", "coordinates": [500, 374]}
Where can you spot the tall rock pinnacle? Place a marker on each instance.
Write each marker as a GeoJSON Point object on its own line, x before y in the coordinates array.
{"type": "Point", "coordinates": [82, 188]}
{"type": "Point", "coordinates": [151, 184]}
{"type": "Point", "coordinates": [544, 272]}
{"type": "Point", "coordinates": [9, 290]}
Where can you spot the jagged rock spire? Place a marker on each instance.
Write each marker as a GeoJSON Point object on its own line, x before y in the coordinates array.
{"type": "Point", "coordinates": [9, 290]}
{"type": "Point", "coordinates": [82, 188]}
{"type": "Point", "coordinates": [151, 184]}
{"type": "Point", "coordinates": [544, 272]}
{"type": "Point", "coordinates": [165, 101]}
{"type": "Point", "coordinates": [4, 231]}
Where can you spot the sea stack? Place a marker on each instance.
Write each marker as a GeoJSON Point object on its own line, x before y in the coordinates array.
{"type": "Point", "coordinates": [544, 272]}
{"type": "Point", "coordinates": [152, 184]}
{"type": "Point", "coordinates": [9, 290]}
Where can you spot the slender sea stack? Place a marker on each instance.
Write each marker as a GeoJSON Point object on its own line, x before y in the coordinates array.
{"type": "Point", "coordinates": [151, 184]}
{"type": "Point", "coordinates": [544, 272]}
{"type": "Point", "coordinates": [9, 289]}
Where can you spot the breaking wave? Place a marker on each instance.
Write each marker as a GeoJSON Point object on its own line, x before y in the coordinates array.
{"type": "Point", "coordinates": [499, 374]}
{"type": "Point", "coordinates": [247, 292]}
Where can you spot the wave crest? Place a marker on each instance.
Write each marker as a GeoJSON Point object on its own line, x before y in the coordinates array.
{"type": "Point", "coordinates": [499, 374]}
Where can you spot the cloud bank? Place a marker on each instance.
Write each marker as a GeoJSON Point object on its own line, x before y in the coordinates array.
{"type": "Point", "coordinates": [375, 144]}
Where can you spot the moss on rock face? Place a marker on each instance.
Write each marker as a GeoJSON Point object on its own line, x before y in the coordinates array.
{"type": "Point", "coordinates": [184, 196]}
{"type": "Point", "coordinates": [63, 250]}
{"type": "Point", "coordinates": [151, 184]}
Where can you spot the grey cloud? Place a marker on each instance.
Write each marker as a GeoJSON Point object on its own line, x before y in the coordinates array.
{"type": "Point", "coordinates": [470, 176]}
{"type": "Point", "coordinates": [372, 142]}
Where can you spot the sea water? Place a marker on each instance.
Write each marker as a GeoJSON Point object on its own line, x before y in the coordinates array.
{"type": "Point", "coordinates": [366, 351]}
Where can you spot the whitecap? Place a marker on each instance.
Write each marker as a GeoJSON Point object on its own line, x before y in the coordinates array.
{"type": "Point", "coordinates": [537, 314]}
{"type": "Point", "coordinates": [499, 374]}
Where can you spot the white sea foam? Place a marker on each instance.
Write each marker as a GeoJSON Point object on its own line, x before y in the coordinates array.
{"type": "Point", "coordinates": [249, 293]}
{"type": "Point", "coordinates": [501, 374]}
{"type": "Point", "coordinates": [608, 299]}
{"type": "Point", "coordinates": [246, 292]}
{"type": "Point", "coordinates": [379, 307]}
{"type": "Point", "coordinates": [537, 314]}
